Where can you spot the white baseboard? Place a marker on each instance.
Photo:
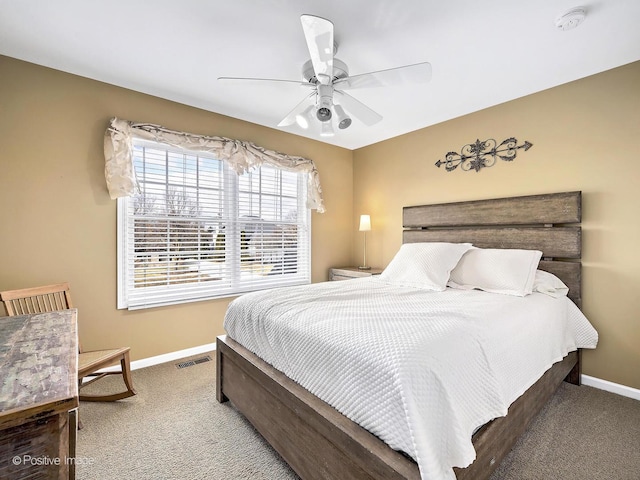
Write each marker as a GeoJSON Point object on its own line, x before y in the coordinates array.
{"type": "Point", "coordinates": [610, 387]}
{"type": "Point", "coordinates": [169, 357]}
{"type": "Point", "coordinates": [165, 357]}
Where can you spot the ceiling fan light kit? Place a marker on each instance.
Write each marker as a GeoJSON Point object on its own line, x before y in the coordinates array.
{"type": "Point", "coordinates": [324, 102]}
{"type": "Point", "coordinates": [328, 77]}
{"type": "Point", "coordinates": [326, 130]}
{"type": "Point", "coordinates": [344, 120]}
{"type": "Point", "coordinates": [302, 118]}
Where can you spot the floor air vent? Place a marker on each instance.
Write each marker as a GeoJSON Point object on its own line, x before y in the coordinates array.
{"type": "Point", "coordinates": [196, 361]}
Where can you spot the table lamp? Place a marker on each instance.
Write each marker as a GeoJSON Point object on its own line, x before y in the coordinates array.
{"type": "Point", "coordinates": [365, 226]}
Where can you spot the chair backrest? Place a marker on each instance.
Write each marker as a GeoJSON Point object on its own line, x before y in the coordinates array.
{"type": "Point", "coordinates": [48, 298]}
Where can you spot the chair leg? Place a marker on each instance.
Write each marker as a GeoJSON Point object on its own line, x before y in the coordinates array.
{"type": "Point", "coordinates": [126, 373]}
{"type": "Point", "coordinates": [126, 376]}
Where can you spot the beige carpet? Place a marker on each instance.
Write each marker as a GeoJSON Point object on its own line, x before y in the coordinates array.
{"type": "Point", "coordinates": [175, 429]}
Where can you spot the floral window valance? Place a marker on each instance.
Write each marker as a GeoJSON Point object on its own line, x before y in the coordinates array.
{"type": "Point", "coordinates": [241, 156]}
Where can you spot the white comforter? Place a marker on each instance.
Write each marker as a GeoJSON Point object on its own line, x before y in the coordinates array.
{"type": "Point", "coordinates": [419, 369]}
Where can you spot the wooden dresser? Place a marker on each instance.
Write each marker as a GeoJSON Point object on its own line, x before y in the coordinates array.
{"type": "Point", "coordinates": [38, 395]}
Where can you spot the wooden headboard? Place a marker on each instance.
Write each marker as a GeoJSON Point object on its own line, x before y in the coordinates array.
{"type": "Point", "coordinates": [549, 223]}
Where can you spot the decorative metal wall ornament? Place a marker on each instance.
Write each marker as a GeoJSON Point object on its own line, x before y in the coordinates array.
{"type": "Point", "coordinates": [475, 156]}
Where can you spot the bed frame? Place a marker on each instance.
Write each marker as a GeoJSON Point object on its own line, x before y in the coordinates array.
{"type": "Point", "coordinates": [320, 443]}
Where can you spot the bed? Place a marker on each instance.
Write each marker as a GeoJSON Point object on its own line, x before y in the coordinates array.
{"type": "Point", "coordinates": [319, 442]}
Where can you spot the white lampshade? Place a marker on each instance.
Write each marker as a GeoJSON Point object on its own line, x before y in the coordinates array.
{"type": "Point", "coordinates": [326, 129]}
{"type": "Point", "coordinates": [302, 118]}
{"type": "Point", "coordinates": [365, 223]}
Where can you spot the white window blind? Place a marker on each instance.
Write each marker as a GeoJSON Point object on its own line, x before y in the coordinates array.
{"type": "Point", "coordinates": [198, 230]}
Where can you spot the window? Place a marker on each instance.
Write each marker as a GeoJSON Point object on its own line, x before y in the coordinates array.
{"type": "Point", "coordinates": [198, 230]}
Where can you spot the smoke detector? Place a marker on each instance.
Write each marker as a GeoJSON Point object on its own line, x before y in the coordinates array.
{"type": "Point", "coordinates": [571, 19]}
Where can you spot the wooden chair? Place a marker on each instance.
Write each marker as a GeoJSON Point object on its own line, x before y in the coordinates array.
{"type": "Point", "coordinates": [50, 298]}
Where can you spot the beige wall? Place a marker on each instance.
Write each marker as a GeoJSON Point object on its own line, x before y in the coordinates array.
{"type": "Point", "coordinates": [584, 137]}
{"type": "Point", "coordinates": [59, 224]}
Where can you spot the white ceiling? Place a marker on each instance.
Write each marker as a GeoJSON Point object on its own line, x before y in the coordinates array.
{"type": "Point", "coordinates": [482, 52]}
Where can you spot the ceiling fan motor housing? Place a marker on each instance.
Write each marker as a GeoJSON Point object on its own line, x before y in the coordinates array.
{"type": "Point", "coordinates": [340, 70]}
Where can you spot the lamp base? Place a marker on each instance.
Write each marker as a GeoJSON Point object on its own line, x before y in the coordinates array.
{"type": "Point", "coordinates": [364, 268]}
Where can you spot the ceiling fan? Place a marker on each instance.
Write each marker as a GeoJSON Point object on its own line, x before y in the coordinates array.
{"type": "Point", "coordinates": [328, 78]}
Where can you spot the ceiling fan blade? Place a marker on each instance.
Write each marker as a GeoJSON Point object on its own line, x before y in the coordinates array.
{"type": "Point", "coordinates": [290, 119]}
{"type": "Point", "coordinates": [357, 108]}
{"type": "Point", "coordinates": [319, 35]}
{"type": "Point", "coordinates": [417, 73]}
{"type": "Point", "coordinates": [261, 81]}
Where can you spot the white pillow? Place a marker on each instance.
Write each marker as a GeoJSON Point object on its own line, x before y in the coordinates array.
{"type": "Point", "coordinates": [549, 284]}
{"type": "Point", "coordinates": [495, 270]}
{"type": "Point", "coordinates": [424, 265]}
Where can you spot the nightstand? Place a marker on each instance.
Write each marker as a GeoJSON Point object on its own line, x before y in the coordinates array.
{"type": "Point", "coordinates": [347, 273]}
